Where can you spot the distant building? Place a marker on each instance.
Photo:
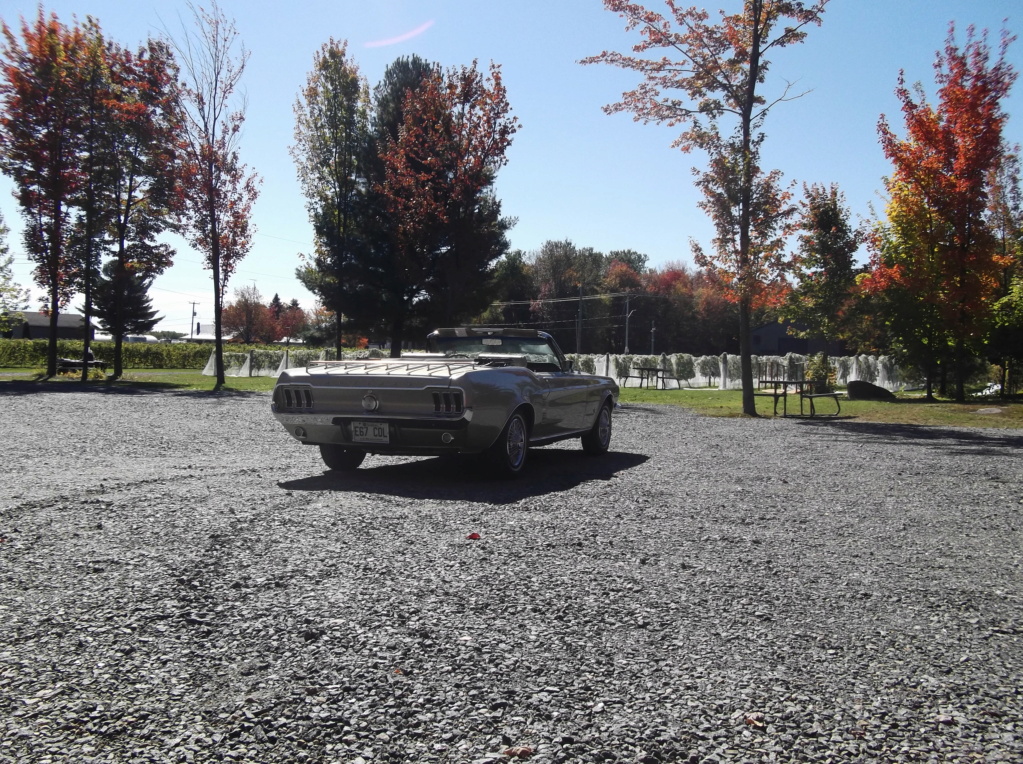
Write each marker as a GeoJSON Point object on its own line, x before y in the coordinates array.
{"type": "Point", "coordinates": [126, 338]}
{"type": "Point", "coordinates": [36, 326]}
{"type": "Point", "coordinates": [774, 339]}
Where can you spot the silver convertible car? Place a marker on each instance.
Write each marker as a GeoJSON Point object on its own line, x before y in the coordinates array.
{"type": "Point", "coordinates": [490, 391]}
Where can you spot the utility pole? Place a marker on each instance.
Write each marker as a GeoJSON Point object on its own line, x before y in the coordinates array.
{"type": "Point", "coordinates": [579, 322]}
{"type": "Point", "coordinates": [627, 314]}
{"type": "Point", "coordinates": [191, 324]}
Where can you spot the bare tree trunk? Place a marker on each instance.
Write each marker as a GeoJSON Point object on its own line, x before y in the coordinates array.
{"type": "Point", "coordinates": [960, 371]}
{"type": "Point", "coordinates": [87, 318]}
{"type": "Point", "coordinates": [218, 349]}
{"type": "Point", "coordinates": [51, 347]}
{"type": "Point", "coordinates": [749, 405]}
{"type": "Point", "coordinates": [397, 336]}
{"type": "Point", "coordinates": [118, 355]}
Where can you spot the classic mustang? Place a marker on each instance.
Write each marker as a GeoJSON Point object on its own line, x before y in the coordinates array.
{"type": "Point", "coordinates": [479, 390]}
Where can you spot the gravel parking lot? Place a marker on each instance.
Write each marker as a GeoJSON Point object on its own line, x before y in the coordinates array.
{"type": "Point", "coordinates": [182, 582]}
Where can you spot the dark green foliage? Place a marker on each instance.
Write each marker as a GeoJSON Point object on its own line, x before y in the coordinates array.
{"type": "Point", "coordinates": [122, 304]}
{"type": "Point", "coordinates": [330, 151]}
{"type": "Point", "coordinates": [825, 265]}
{"type": "Point", "coordinates": [137, 355]}
{"type": "Point", "coordinates": [408, 240]}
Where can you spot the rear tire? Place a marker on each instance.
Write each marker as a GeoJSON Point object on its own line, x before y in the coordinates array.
{"type": "Point", "coordinates": [340, 458]}
{"type": "Point", "coordinates": [598, 439]}
{"type": "Point", "coordinates": [507, 456]}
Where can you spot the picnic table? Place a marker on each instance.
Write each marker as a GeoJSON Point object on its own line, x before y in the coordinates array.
{"type": "Point", "coordinates": [651, 376]}
{"type": "Point", "coordinates": [70, 364]}
{"type": "Point", "coordinates": [778, 389]}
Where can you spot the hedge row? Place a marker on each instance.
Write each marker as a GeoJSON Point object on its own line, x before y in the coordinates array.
{"type": "Point", "coordinates": [134, 355]}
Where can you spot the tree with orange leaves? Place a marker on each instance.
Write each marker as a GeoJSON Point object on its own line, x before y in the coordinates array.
{"type": "Point", "coordinates": [938, 249]}
{"type": "Point", "coordinates": [758, 279]}
{"type": "Point", "coordinates": [719, 69]}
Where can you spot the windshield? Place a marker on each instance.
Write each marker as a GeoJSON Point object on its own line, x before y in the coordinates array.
{"type": "Point", "coordinates": [536, 349]}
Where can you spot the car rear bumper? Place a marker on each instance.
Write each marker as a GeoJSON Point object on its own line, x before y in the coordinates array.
{"type": "Point", "coordinates": [423, 436]}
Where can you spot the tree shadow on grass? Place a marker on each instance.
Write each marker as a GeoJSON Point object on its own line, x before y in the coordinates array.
{"type": "Point", "coordinates": [960, 441]}
{"type": "Point", "coordinates": [465, 478]}
{"type": "Point", "coordinates": [116, 388]}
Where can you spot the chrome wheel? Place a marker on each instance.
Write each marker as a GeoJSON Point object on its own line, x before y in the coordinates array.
{"type": "Point", "coordinates": [598, 439]}
{"type": "Point", "coordinates": [508, 454]}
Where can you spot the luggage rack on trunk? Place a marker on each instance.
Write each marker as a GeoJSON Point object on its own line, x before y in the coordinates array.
{"type": "Point", "coordinates": [390, 366]}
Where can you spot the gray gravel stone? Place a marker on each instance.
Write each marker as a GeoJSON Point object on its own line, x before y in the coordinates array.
{"type": "Point", "coordinates": [182, 582]}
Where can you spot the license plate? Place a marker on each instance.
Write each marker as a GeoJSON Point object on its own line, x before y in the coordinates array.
{"type": "Point", "coordinates": [370, 432]}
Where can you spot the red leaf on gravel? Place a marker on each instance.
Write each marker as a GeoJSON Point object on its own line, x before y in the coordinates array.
{"type": "Point", "coordinates": [519, 752]}
{"type": "Point", "coordinates": [755, 720]}
{"type": "Point", "coordinates": [473, 536]}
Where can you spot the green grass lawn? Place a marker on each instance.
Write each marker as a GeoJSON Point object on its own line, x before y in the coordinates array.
{"type": "Point", "coordinates": [908, 409]}
{"type": "Point", "coordinates": [171, 379]}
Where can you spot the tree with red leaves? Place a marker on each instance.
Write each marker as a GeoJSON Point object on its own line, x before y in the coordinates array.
{"type": "Point", "coordinates": [216, 189]}
{"type": "Point", "coordinates": [291, 322]}
{"type": "Point", "coordinates": [88, 135]}
{"type": "Point", "coordinates": [937, 249]}
{"type": "Point", "coordinates": [41, 124]}
{"type": "Point", "coordinates": [718, 69]}
{"type": "Point", "coordinates": [437, 186]}
{"type": "Point", "coordinates": [248, 319]}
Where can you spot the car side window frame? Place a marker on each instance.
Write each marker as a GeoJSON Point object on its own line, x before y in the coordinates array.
{"type": "Point", "coordinates": [564, 363]}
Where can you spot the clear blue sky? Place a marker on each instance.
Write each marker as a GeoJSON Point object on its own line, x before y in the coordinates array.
{"type": "Point", "coordinates": [573, 172]}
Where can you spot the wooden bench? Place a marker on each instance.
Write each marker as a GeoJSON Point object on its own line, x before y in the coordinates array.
{"type": "Point", "coordinates": [65, 365]}
{"type": "Point", "coordinates": [778, 389]}
{"type": "Point", "coordinates": [648, 377]}
{"type": "Point", "coordinates": [651, 376]}
{"type": "Point", "coordinates": [775, 392]}
{"type": "Point", "coordinates": [812, 396]}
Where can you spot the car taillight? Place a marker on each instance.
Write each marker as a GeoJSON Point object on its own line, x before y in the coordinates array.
{"type": "Point", "coordinates": [448, 402]}
{"type": "Point", "coordinates": [296, 398]}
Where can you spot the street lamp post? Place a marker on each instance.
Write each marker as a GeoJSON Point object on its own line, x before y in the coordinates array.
{"type": "Point", "coordinates": [579, 322]}
{"type": "Point", "coordinates": [627, 314]}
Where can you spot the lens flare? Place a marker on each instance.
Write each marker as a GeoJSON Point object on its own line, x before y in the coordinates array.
{"type": "Point", "coordinates": [402, 37]}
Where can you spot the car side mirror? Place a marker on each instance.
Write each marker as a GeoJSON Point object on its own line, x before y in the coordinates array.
{"type": "Point", "coordinates": [569, 365]}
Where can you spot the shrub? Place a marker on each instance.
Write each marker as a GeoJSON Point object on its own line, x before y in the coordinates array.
{"type": "Point", "coordinates": [821, 373]}
{"type": "Point", "coordinates": [583, 363]}
{"type": "Point", "coordinates": [795, 366]}
{"type": "Point", "coordinates": [866, 368]}
{"type": "Point", "coordinates": [134, 355]}
{"type": "Point", "coordinates": [647, 361]}
{"type": "Point", "coordinates": [623, 366]}
{"type": "Point", "coordinates": [844, 366]}
{"type": "Point", "coordinates": [734, 368]}
{"type": "Point", "coordinates": [303, 357]}
{"type": "Point", "coordinates": [683, 367]}
{"type": "Point", "coordinates": [709, 367]}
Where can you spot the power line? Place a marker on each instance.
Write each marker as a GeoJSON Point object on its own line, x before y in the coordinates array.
{"type": "Point", "coordinates": [564, 299]}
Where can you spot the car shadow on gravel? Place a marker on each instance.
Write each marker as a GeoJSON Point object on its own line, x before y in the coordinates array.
{"type": "Point", "coordinates": [990, 442]}
{"type": "Point", "coordinates": [466, 479]}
